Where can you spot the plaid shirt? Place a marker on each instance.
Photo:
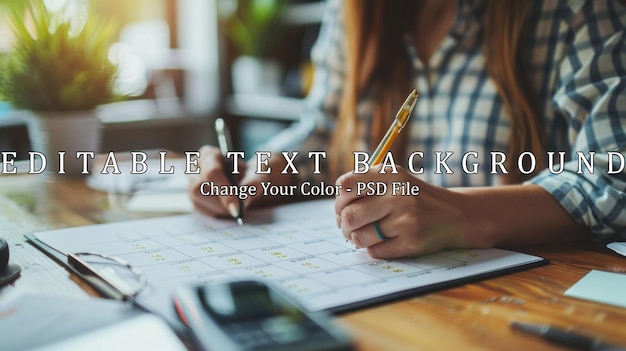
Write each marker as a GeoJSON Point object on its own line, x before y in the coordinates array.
{"type": "Point", "coordinates": [577, 58]}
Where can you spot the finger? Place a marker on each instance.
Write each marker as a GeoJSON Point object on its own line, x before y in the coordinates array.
{"type": "Point", "coordinates": [208, 205]}
{"type": "Point", "coordinates": [399, 247]}
{"type": "Point", "coordinates": [367, 235]}
{"type": "Point", "coordinates": [210, 208]}
{"type": "Point", "coordinates": [416, 242]}
{"type": "Point", "coordinates": [243, 171]}
{"type": "Point", "coordinates": [392, 248]}
{"type": "Point", "coordinates": [251, 182]}
{"type": "Point", "coordinates": [349, 184]}
{"type": "Point", "coordinates": [361, 213]}
{"type": "Point", "coordinates": [203, 204]}
{"type": "Point", "coordinates": [252, 179]}
{"type": "Point", "coordinates": [347, 195]}
{"type": "Point", "coordinates": [213, 170]}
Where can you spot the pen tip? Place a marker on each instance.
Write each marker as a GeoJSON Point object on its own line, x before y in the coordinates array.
{"type": "Point", "coordinates": [529, 328]}
{"type": "Point", "coordinates": [239, 221]}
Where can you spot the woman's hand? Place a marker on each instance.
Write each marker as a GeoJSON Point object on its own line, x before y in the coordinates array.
{"type": "Point", "coordinates": [214, 168]}
{"type": "Point", "coordinates": [413, 225]}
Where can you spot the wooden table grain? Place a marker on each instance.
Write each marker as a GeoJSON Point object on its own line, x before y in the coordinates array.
{"type": "Point", "coordinates": [472, 316]}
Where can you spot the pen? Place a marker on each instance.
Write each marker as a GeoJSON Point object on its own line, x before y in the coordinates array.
{"type": "Point", "coordinates": [563, 337]}
{"type": "Point", "coordinates": [223, 139]}
{"type": "Point", "coordinates": [398, 123]}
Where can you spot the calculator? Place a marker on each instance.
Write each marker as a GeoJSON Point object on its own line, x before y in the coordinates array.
{"type": "Point", "coordinates": [252, 315]}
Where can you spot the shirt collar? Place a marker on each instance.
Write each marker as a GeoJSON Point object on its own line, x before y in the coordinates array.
{"type": "Point", "coordinates": [468, 18]}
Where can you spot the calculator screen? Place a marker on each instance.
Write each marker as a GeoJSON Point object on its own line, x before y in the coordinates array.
{"type": "Point", "coordinates": [247, 300]}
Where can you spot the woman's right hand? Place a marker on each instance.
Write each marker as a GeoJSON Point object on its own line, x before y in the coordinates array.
{"type": "Point", "coordinates": [213, 168]}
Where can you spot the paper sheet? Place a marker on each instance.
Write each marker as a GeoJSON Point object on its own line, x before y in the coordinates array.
{"type": "Point", "coordinates": [297, 247]}
{"type": "Point", "coordinates": [151, 180]}
{"type": "Point", "coordinates": [160, 201]}
{"type": "Point", "coordinates": [599, 286]}
{"type": "Point", "coordinates": [44, 322]}
{"type": "Point", "coordinates": [619, 247]}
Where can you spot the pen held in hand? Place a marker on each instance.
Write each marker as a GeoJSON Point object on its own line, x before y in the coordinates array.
{"type": "Point", "coordinates": [224, 141]}
{"type": "Point", "coordinates": [398, 123]}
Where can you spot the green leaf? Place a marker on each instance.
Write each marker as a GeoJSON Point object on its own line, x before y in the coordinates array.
{"type": "Point", "coordinates": [52, 65]}
{"type": "Point", "coordinates": [253, 26]}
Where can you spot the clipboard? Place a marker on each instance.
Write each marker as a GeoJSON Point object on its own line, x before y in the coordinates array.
{"type": "Point", "coordinates": [338, 280]}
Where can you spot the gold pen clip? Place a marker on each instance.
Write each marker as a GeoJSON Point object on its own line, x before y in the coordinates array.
{"type": "Point", "coordinates": [402, 117]}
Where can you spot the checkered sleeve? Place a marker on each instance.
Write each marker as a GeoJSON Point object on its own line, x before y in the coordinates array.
{"type": "Point", "coordinates": [591, 95]}
{"type": "Point", "coordinates": [313, 131]}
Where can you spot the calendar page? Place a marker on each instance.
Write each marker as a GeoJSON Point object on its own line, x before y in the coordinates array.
{"type": "Point", "coordinates": [297, 247]}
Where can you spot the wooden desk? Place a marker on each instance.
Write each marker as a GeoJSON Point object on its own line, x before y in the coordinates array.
{"type": "Point", "coordinates": [473, 316]}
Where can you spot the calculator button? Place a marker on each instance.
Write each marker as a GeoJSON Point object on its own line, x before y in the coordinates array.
{"type": "Point", "coordinates": [283, 330]}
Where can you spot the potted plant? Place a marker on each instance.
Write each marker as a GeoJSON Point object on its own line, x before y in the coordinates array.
{"type": "Point", "coordinates": [253, 27]}
{"type": "Point", "coordinates": [59, 70]}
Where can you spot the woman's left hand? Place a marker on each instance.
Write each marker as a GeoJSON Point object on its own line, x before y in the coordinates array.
{"type": "Point", "coordinates": [407, 224]}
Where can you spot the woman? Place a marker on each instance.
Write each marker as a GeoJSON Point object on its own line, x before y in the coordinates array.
{"type": "Point", "coordinates": [517, 79]}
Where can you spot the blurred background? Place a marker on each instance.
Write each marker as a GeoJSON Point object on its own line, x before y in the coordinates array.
{"type": "Point", "coordinates": [182, 63]}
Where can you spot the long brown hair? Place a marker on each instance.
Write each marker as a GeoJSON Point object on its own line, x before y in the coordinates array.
{"type": "Point", "coordinates": [375, 57]}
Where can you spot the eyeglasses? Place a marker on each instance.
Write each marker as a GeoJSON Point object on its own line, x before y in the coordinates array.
{"type": "Point", "coordinates": [117, 277]}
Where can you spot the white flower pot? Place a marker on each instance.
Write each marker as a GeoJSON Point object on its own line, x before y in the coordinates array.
{"type": "Point", "coordinates": [64, 131]}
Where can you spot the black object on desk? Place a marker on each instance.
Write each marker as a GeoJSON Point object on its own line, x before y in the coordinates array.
{"type": "Point", "coordinates": [8, 271]}
{"type": "Point", "coordinates": [565, 337]}
{"type": "Point", "coordinates": [251, 315]}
